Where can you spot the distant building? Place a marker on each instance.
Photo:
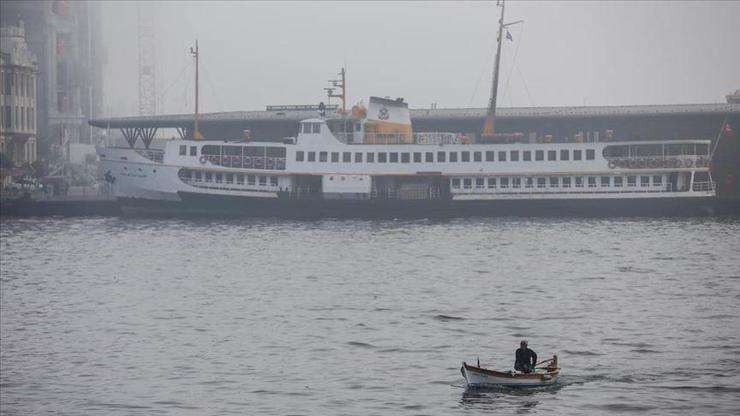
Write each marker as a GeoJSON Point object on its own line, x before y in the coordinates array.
{"type": "Point", "coordinates": [734, 98]}
{"type": "Point", "coordinates": [65, 37]}
{"type": "Point", "coordinates": [18, 71]}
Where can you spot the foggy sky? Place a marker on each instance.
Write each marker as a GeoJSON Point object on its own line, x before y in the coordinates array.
{"type": "Point", "coordinates": [566, 53]}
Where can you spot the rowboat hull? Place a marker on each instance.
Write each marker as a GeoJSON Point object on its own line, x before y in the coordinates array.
{"type": "Point", "coordinates": [481, 377]}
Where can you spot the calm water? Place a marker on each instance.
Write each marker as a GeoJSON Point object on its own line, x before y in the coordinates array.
{"type": "Point", "coordinates": [190, 317]}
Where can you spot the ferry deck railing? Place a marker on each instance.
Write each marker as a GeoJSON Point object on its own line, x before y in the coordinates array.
{"type": "Point", "coordinates": [246, 162]}
{"type": "Point", "coordinates": [656, 162]}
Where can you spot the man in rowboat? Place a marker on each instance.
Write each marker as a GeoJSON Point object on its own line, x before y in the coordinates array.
{"type": "Point", "coordinates": [526, 359]}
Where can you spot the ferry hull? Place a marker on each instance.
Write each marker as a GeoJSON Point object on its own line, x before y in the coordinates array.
{"type": "Point", "coordinates": [199, 204]}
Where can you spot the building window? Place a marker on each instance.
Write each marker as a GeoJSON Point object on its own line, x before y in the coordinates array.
{"type": "Point", "coordinates": [541, 182]}
{"type": "Point", "coordinates": [405, 157]}
{"type": "Point", "coordinates": [566, 182]}
{"type": "Point", "coordinates": [552, 155]}
{"type": "Point", "coordinates": [502, 156]}
{"type": "Point", "coordinates": [273, 181]}
{"type": "Point", "coordinates": [477, 157]}
{"type": "Point", "coordinates": [592, 181]}
{"type": "Point", "coordinates": [490, 156]}
{"type": "Point", "coordinates": [440, 156]}
{"type": "Point", "coordinates": [417, 157]}
{"type": "Point", "coordinates": [590, 154]}
{"type": "Point", "coordinates": [382, 157]}
{"type": "Point", "coordinates": [299, 156]}
{"type": "Point", "coordinates": [370, 157]}
{"type": "Point", "coordinates": [526, 156]}
{"type": "Point", "coordinates": [491, 183]}
{"type": "Point", "coordinates": [335, 157]}
{"type": "Point", "coordinates": [346, 157]}
{"type": "Point", "coordinates": [644, 181]}
{"type": "Point", "coordinates": [323, 156]}
{"type": "Point", "coordinates": [539, 155]}
{"type": "Point", "coordinates": [358, 157]}
{"type": "Point", "coordinates": [554, 182]}
{"type": "Point", "coordinates": [455, 183]}
{"type": "Point", "coordinates": [605, 181]}
{"type": "Point", "coordinates": [193, 150]}
{"type": "Point", "coordinates": [311, 156]}
{"type": "Point", "coordinates": [618, 181]}
{"type": "Point", "coordinates": [429, 157]}
{"type": "Point", "coordinates": [514, 155]}
{"type": "Point", "coordinates": [465, 156]}
{"type": "Point", "coordinates": [576, 155]}
{"type": "Point", "coordinates": [564, 154]}
{"type": "Point", "coordinates": [453, 156]}
{"type": "Point", "coordinates": [393, 157]}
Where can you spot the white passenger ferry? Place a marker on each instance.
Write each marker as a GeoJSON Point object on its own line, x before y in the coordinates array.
{"type": "Point", "coordinates": [368, 162]}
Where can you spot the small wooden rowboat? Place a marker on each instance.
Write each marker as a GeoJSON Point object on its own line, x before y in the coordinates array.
{"type": "Point", "coordinates": [481, 377]}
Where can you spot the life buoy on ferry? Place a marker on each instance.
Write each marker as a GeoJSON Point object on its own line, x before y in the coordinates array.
{"type": "Point", "coordinates": [612, 164]}
{"type": "Point", "coordinates": [203, 160]}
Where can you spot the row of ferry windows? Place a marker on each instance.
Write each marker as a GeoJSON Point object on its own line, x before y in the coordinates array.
{"type": "Point", "coordinates": [428, 157]}
{"type": "Point", "coordinates": [557, 182]}
{"type": "Point", "coordinates": [237, 178]}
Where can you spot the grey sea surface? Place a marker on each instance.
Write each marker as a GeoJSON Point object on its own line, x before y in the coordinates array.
{"type": "Point", "coordinates": [121, 316]}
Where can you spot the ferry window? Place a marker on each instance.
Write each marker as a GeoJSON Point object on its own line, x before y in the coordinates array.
{"type": "Point", "coordinates": [323, 156]}
{"type": "Point", "coordinates": [465, 156]}
{"type": "Point", "coordinates": [632, 181]}
{"type": "Point", "coordinates": [564, 154]}
{"type": "Point", "coordinates": [358, 157]}
{"type": "Point", "coordinates": [405, 157]}
{"type": "Point", "coordinates": [393, 157]}
{"type": "Point", "coordinates": [552, 155]}
{"type": "Point", "coordinates": [272, 152]}
{"type": "Point", "coordinates": [541, 182]}
{"type": "Point", "coordinates": [429, 157]}
{"type": "Point", "coordinates": [240, 179]}
{"type": "Point", "coordinates": [311, 156]}
{"type": "Point", "coordinates": [590, 154]}
{"type": "Point", "coordinates": [257, 151]}
{"type": "Point", "coordinates": [370, 157]}
{"type": "Point", "coordinates": [316, 127]}
{"type": "Point", "coordinates": [502, 156]}
{"type": "Point", "coordinates": [530, 183]}
{"type": "Point", "coordinates": [566, 182]}
{"type": "Point", "coordinates": [618, 181]}
{"type": "Point", "coordinates": [605, 180]}
{"type": "Point", "coordinates": [229, 178]}
{"type": "Point", "coordinates": [480, 183]}
{"type": "Point", "coordinates": [514, 155]}
{"type": "Point", "coordinates": [592, 181]}
{"type": "Point", "coordinates": [262, 180]}
{"type": "Point", "coordinates": [477, 157]}
{"type": "Point", "coordinates": [504, 182]}
{"type": "Point", "coordinates": [232, 150]}
{"type": "Point", "coordinates": [219, 177]}
{"type": "Point", "coordinates": [347, 157]}
{"type": "Point", "coordinates": [417, 157]}
{"type": "Point", "coordinates": [382, 157]}
{"type": "Point", "coordinates": [440, 156]}
{"type": "Point", "coordinates": [467, 183]}
{"type": "Point", "coordinates": [198, 176]}
{"type": "Point", "coordinates": [554, 182]}
{"type": "Point", "coordinates": [657, 180]}
{"type": "Point", "coordinates": [492, 183]}
{"type": "Point", "coordinates": [577, 155]}
{"type": "Point", "coordinates": [539, 155]}
{"type": "Point", "coordinates": [644, 181]}
{"type": "Point", "coordinates": [210, 149]}
{"type": "Point", "coordinates": [307, 128]}
{"type": "Point", "coordinates": [453, 156]}
{"type": "Point", "coordinates": [193, 150]}
{"type": "Point", "coordinates": [579, 182]}
{"type": "Point", "coordinates": [250, 180]}
{"type": "Point", "coordinates": [455, 183]}
{"type": "Point", "coordinates": [335, 157]}
{"type": "Point", "coordinates": [526, 156]}
{"type": "Point", "coordinates": [299, 155]}
{"type": "Point", "coordinates": [183, 150]}
{"type": "Point", "coordinates": [209, 177]}
{"type": "Point", "coordinates": [516, 182]}
{"type": "Point", "coordinates": [490, 156]}
{"type": "Point", "coordinates": [273, 181]}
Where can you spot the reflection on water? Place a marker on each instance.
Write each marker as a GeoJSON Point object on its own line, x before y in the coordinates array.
{"type": "Point", "coordinates": [124, 316]}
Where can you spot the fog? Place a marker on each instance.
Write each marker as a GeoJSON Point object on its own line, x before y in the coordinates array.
{"type": "Point", "coordinates": [565, 53]}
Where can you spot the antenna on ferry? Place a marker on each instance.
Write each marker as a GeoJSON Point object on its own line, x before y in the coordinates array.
{"type": "Point", "coordinates": [342, 85]}
{"type": "Point", "coordinates": [196, 130]}
{"type": "Point", "coordinates": [489, 127]}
